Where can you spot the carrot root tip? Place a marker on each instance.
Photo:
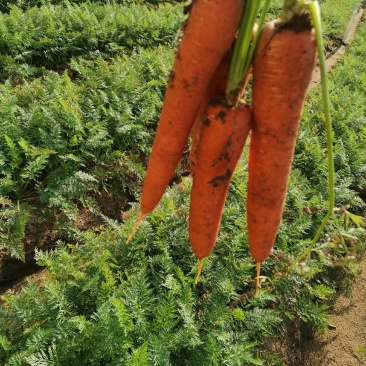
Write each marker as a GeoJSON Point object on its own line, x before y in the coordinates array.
{"type": "Point", "coordinates": [133, 231]}
{"type": "Point", "coordinates": [200, 262]}
{"type": "Point", "coordinates": [257, 284]}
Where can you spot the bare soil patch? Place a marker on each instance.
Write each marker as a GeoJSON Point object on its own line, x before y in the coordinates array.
{"type": "Point", "coordinates": [345, 343]}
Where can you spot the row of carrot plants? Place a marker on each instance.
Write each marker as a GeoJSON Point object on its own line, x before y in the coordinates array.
{"type": "Point", "coordinates": [34, 39]}
{"type": "Point", "coordinates": [47, 37]}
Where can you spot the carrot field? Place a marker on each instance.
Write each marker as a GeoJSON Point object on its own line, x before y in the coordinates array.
{"type": "Point", "coordinates": [82, 87]}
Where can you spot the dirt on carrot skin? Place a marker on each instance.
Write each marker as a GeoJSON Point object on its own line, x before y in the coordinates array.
{"type": "Point", "coordinates": [298, 23]}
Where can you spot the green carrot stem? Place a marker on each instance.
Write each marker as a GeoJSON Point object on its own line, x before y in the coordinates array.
{"type": "Point", "coordinates": [240, 50]}
{"type": "Point", "coordinates": [244, 49]}
{"type": "Point", "coordinates": [254, 43]}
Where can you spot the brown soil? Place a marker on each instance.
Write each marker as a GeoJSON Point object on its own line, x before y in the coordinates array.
{"type": "Point", "coordinates": [38, 234]}
{"type": "Point", "coordinates": [343, 345]}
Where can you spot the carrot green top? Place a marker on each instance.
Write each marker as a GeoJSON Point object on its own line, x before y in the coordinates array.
{"type": "Point", "coordinates": [294, 7]}
{"type": "Point", "coordinates": [244, 48]}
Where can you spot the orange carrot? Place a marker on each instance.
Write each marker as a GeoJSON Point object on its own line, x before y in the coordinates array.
{"type": "Point", "coordinates": [282, 70]}
{"type": "Point", "coordinates": [215, 89]}
{"type": "Point", "coordinates": [223, 135]}
{"type": "Point", "coordinates": [208, 34]}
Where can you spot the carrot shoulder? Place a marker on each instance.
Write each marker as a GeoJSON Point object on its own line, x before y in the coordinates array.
{"type": "Point", "coordinates": [208, 33]}
{"type": "Point", "coordinates": [282, 70]}
{"type": "Point", "coordinates": [223, 134]}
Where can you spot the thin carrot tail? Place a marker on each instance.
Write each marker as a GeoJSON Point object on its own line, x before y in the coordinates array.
{"type": "Point", "coordinates": [257, 286]}
{"type": "Point", "coordinates": [141, 216]}
{"type": "Point", "coordinates": [200, 262]}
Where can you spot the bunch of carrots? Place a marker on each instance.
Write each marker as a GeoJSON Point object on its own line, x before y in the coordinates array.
{"type": "Point", "coordinates": [220, 47]}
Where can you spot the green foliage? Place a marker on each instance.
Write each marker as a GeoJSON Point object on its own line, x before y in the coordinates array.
{"type": "Point", "coordinates": [103, 302]}
{"type": "Point", "coordinates": [107, 310]}
{"type": "Point", "coordinates": [336, 15]}
{"type": "Point", "coordinates": [23, 164]}
{"type": "Point", "coordinates": [13, 220]}
{"type": "Point", "coordinates": [84, 130]}
{"type": "Point", "coordinates": [361, 350]}
{"type": "Point", "coordinates": [49, 36]}
{"type": "Point", "coordinates": [65, 139]}
{"type": "Point", "coordinates": [6, 6]}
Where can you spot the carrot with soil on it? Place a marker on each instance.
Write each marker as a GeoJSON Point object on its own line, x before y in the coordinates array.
{"type": "Point", "coordinates": [314, 10]}
{"type": "Point", "coordinates": [282, 70]}
{"type": "Point", "coordinates": [216, 88]}
{"type": "Point", "coordinates": [220, 137]}
{"type": "Point", "coordinates": [223, 134]}
{"type": "Point", "coordinates": [207, 34]}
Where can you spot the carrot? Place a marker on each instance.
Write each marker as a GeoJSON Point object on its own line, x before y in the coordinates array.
{"type": "Point", "coordinates": [282, 70]}
{"type": "Point", "coordinates": [208, 33]}
{"type": "Point", "coordinates": [215, 89]}
{"type": "Point", "coordinates": [223, 135]}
